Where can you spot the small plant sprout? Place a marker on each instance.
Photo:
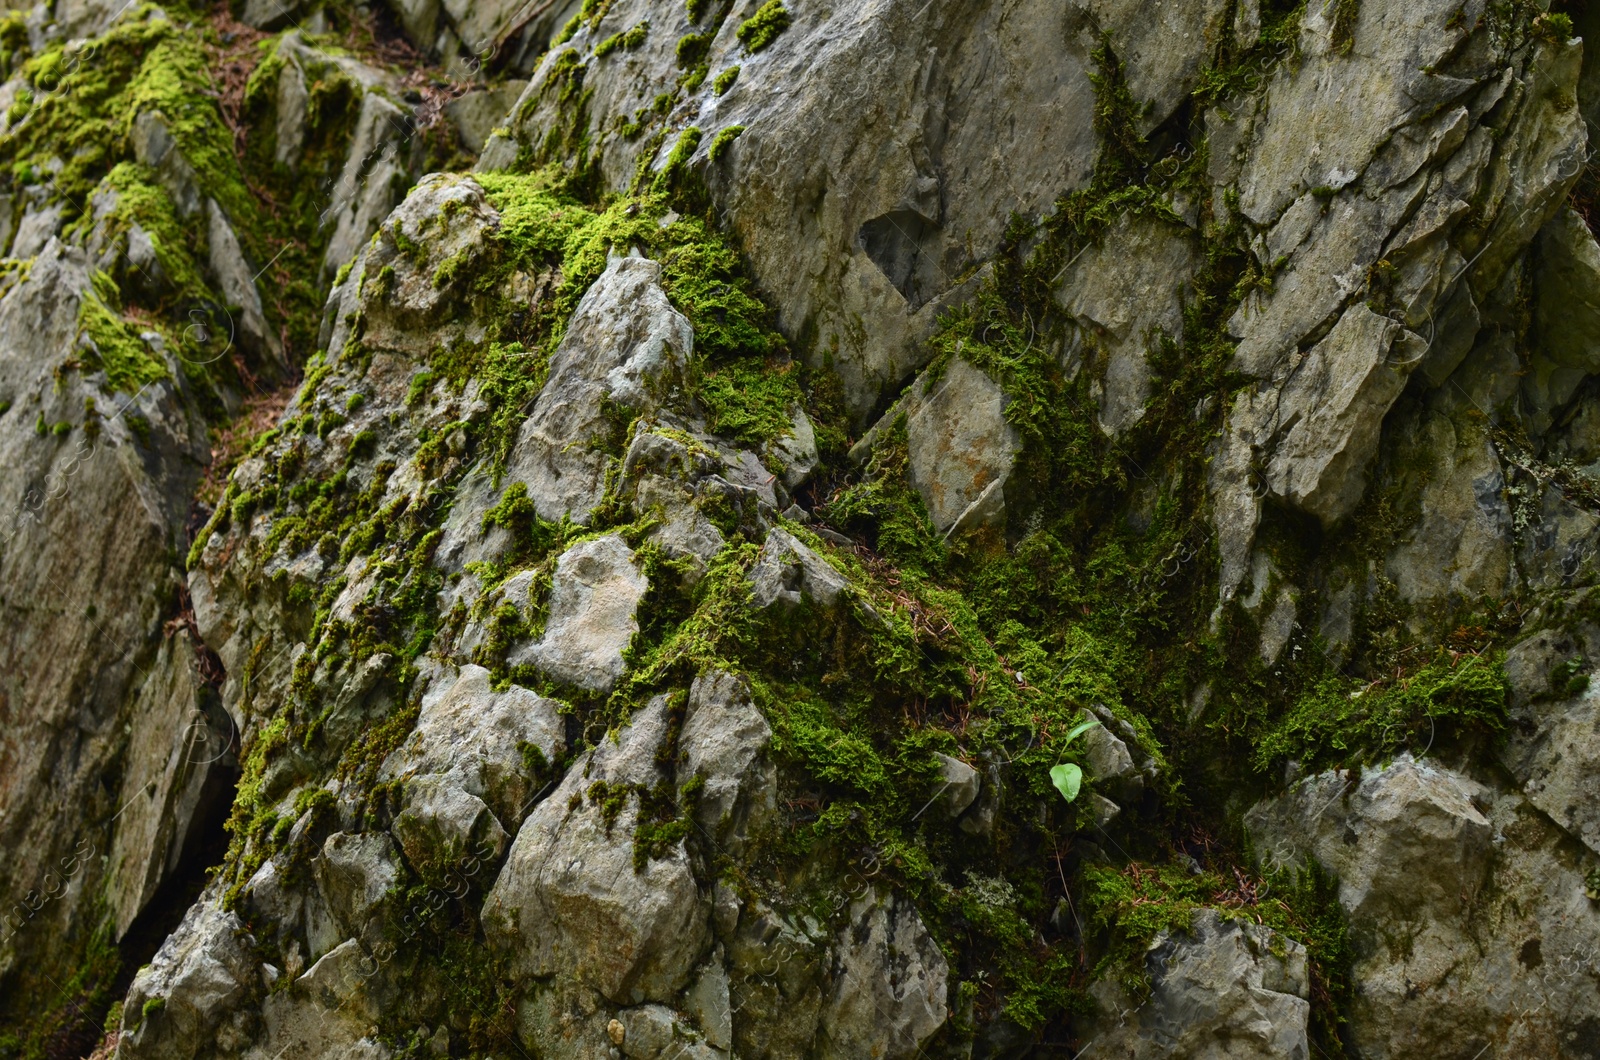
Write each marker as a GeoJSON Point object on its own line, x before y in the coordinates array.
{"type": "Point", "coordinates": [1068, 776]}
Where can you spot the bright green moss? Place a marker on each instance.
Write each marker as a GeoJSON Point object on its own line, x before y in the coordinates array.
{"type": "Point", "coordinates": [764, 27]}
{"type": "Point", "coordinates": [118, 350]}
{"type": "Point", "coordinates": [724, 81]}
{"type": "Point", "coordinates": [723, 140]}
{"type": "Point", "coordinates": [692, 49]}
{"type": "Point", "coordinates": [627, 40]}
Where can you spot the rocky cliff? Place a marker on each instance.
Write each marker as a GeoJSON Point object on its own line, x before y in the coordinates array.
{"type": "Point", "coordinates": [749, 528]}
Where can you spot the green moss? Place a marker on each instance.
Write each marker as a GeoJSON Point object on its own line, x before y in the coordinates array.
{"type": "Point", "coordinates": [696, 9]}
{"type": "Point", "coordinates": [723, 140]}
{"type": "Point", "coordinates": [569, 30]}
{"type": "Point", "coordinates": [692, 49]}
{"type": "Point", "coordinates": [628, 40]}
{"type": "Point", "coordinates": [532, 537]}
{"type": "Point", "coordinates": [1346, 722]}
{"type": "Point", "coordinates": [763, 27]}
{"type": "Point", "coordinates": [725, 80]}
{"type": "Point", "coordinates": [117, 348]}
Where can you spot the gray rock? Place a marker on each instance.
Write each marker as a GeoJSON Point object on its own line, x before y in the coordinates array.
{"type": "Point", "coordinates": [177, 761]}
{"type": "Point", "coordinates": [154, 146]}
{"type": "Point", "coordinates": [569, 901]}
{"type": "Point", "coordinates": [890, 984]}
{"type": "Point", "coordinates": [789, 573]}
{"type": "Point", "coordinates": [778, 1010]}
{"type": "Point", "coordinates": [36, 229]}
{"type": "Point", "coordinates": [372, 182]}
{"type": "Point", "coordinates": [1123, 294]}
{"type": "Point", "coordinates": [1407, 840]}
{"type": "Point", "coordinates": [961, 784]}
{"type": "Point", "coordinates": [647, 1031]}
{"type": "Point", "coordinates": [1315, 134]}
{"type": "Point", "coordinates": [340, 980]}
{"type": "Point", "coordinates": [1223, 988]}
{"type": "Point", "coordinates": [474, 738]}
{"type": "Point", "coordinates": [1163, 46]}
{"type": "Point", "coordinates": [796, 452]}
{"type": "Point", "coordinates": [1331, 407]}
{"type": "Point", "coordinates": [1102, 811]}
{"type": "Point", "coordinates": [1566, 317]}
{"type": "Point", "coordinates": [1553, 748]}
{"type": "Point", "coordinates": [235, 278]}
{"type": "Point", "coordinates": [1106, 756]}
{"type": "Point", "coordinates": [1460, 546]}
{"type": "Point", "coordinates": [409, 313]}
{"type": "Point", "coordinates": [202, 973]}
{"type": "Point", "coordinates": [440, 823]}
{"type": "Point", "coordinates": [961, 446]}
{"type": "Point", "coordinates": [357, 874]}
{"type": "Point", "coordinates": [625, 345]}
{"type": "Point", "coordinates": [479, 112]}
{"type": "Point", "coordinates": [724, 739]}
{"type": "Point", "coordinates": [869, 231]}
{"type": "Point", "coordinates": [594, 593]}
{"type": "Point", "coordinates": [1413, 851]}
{"type": "Point", "coordinates": [666, 475]}
{"type": "Point", "coordinates": [709, 1000]}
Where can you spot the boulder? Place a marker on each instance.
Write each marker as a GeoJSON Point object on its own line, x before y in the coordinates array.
{"type": "Point", "coordinates": [961, 447]}
{"type": "Point", "coordinates": [1328, 411]}
{"type": "Point", "coordinates": [1553, 748]}
{"type": "Point", "coordinates": [1404, 841]}
{"type": "Point", "coordinates": [1414, 847]}
{"type": "Point", "coordinates": [724, 740]}
{"type": "Point", "coordinates": [1124, 294]}
{"type": "Point", "coordinates": [795, 454]}
{"type": "Point", "coordinates": [356, 874]}
{"type": "Point", "coordinates": [200, 975]}
{"type": "Point", "coordinates": [960, 784]}
{"type": "Point", "coordinates": [478, 740]}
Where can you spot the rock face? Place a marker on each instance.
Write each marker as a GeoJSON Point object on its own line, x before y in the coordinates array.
{"type": "Point", "coordinates": [737, 574]}
{"type": "Point", "coordinates": [569, 902]}
{"type": "Point", "coordinates": [596, 591]}
{"type": "Point", "coordinates": [627, 347]}
{"type": "Point", "coordinates": [1220, 989]}
{"type": "Point", "coordinates": [872, 223]}
{"type": "Point", "coordinates": [890, 985]}
{"type": "Point", "coordinates": [1426, 855]}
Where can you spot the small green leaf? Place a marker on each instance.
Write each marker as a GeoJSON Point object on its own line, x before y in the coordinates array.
{"type": "Point", "coordinates": [1079, 729]}
{"type": "Point", "coordinates": [1067, 778]}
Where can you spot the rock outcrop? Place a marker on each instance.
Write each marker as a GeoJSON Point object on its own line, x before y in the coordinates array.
{"type": "Point", "coordinates": [980, 530]}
